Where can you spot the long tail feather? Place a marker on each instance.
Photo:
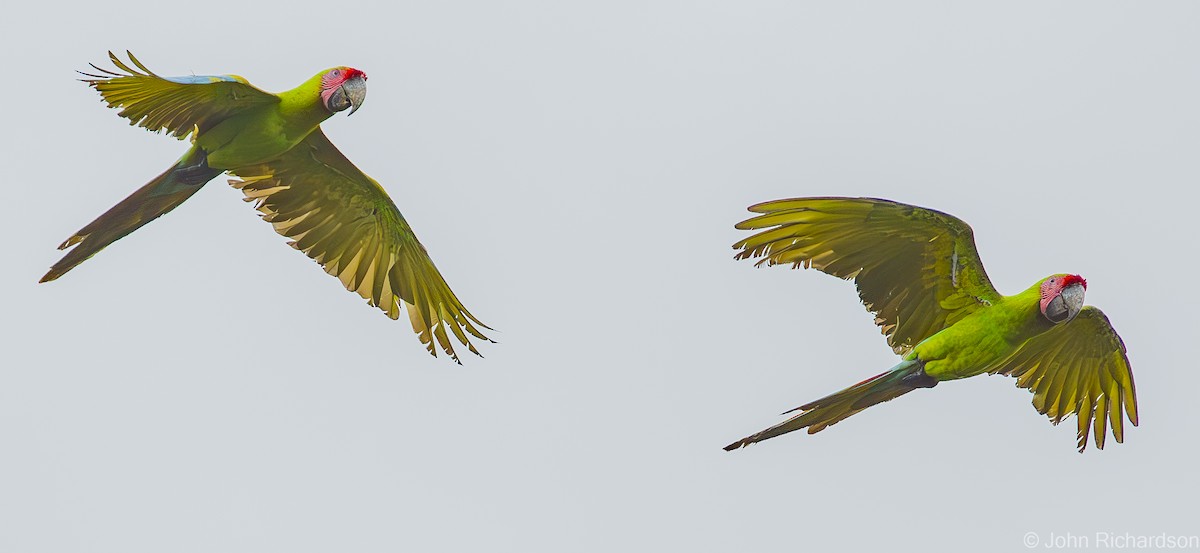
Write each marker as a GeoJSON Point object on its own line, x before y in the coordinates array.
{"type": "Point", "coordinates": [829, 410]}
{"type": "Point", "coordinates": [146, 204]}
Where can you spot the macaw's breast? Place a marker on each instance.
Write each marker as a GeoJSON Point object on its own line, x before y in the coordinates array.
{"type": "Point", "coordinates": [983, 339]}
{"type": "Point", "coordinates": [253, 137]}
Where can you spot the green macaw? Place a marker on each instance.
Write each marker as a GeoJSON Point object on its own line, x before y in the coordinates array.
{"type": "Point", "coordinates": [918, 272]}
{"type": "Point", "coordinates": [302, 184]}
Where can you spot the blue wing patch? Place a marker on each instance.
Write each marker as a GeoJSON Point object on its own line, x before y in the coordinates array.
{"type": "Point", "coordinates": [205, 79]}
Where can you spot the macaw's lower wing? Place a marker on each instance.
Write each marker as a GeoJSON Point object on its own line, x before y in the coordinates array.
{"type": "Point", "coordinates": [344, 220]}
{"type": "Point", "coordinates": [916, 269]}
{"type": "Point", "coordinates": [1078, 367]}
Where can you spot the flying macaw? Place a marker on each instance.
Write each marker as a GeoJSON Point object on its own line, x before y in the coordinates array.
{"type": "Point", "coordinates": [301, 184]}
{"type": "Point", "coordinates": [918, 272]}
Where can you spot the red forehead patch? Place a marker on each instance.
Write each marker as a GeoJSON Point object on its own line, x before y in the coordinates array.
{"type": "Point", "coordinates": [1054, 285]}
{"type": "Point", "coordinates": [1073, 279]}
{"type": "Point", "coordinates": [335, 77]}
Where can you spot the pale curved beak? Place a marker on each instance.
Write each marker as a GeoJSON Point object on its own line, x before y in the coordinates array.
{"type": "Point", "coordinates": [1066, 305]}
{"type": "Point", "coordinates": [1073, 299]}
{"type": "Point", "coordinates": [356, 91]}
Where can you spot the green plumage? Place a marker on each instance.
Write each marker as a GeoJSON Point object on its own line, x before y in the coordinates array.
{"type": "Point", "coordinates": [301, 183]}
{"type": "Point", "coordinates": [919, 272]}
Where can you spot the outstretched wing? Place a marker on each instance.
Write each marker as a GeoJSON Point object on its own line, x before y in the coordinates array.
{"type": "Point", "coordinates": [177, 104]}
{"type": "Point", "coordinates": [1078, 367]}
{"type": "Point", "coordinates": [344, 220]}
{"type": "Point", "coordinates": [916, 269]}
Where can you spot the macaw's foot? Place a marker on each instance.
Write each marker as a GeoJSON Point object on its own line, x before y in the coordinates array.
{"type": "Point", "coordinates": [198, 174]}
{"type": "Point", "coordinates": [919, 379]}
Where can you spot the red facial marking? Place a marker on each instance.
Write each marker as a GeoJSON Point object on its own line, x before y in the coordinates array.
{"type": "Point", "coordinates": [335, 78]}
{"type": "Point", "coordinates": [1073, 279]}
{"type": "Point", "coordinates": [1054, 286]}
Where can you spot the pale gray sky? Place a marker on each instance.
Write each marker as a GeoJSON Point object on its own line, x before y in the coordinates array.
{"type": "Point", "coordinates": [576, 170]}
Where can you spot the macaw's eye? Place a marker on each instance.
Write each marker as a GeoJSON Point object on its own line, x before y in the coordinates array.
{"type": "Point", "coordinates": [1057, 310]}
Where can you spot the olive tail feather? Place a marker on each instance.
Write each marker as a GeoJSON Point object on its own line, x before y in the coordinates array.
{"type": "Point", "coordinates": [829, 410]}
{"type": "Point", "coordinates": [146, 204]}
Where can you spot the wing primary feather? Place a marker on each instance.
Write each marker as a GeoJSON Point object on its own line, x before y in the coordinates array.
{"type": "Point", "coordinates": [344, 220]}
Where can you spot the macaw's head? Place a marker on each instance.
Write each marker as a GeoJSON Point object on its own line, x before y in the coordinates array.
{"type": "Point", "coordinates": [343, 87]}
{"type": "Point", "coordinates": [1062, 297]}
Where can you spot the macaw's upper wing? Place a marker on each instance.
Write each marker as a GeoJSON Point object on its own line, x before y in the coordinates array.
{"type": "Point", "coordinates": [1078, 367]}
{"type": "Point", "coordinates": [177, 104]}
{"type": "Point", "coordinates": [345, 221]}
{"type": "Point", "coordinates": [916, 269]}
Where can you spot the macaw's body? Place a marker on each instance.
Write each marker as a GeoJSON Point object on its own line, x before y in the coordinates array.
{"type": "Point", "coordinates": [918, 271]}
{"type": "Point", "coordinates": [301, 183]}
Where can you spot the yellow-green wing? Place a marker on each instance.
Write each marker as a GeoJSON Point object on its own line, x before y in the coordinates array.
{"type": "Point", "coordinates": [345, 221]}
{"type": "Point", "coordinates": [916, 269]}
{"type": "Point", "coordinates": [1078, 368]}
{"type": "Point", "coordinates": [177, 104]}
